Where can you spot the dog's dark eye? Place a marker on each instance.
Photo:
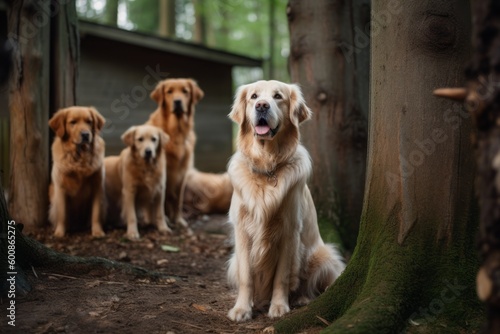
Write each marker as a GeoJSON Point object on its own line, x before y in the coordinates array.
{"type": "Point", "coordinates": [185, 91]}
{"type": "Point", "coordinates": [278, 96]}
{"type": "Point", "coordinates": [254, 96]}
{"type": "Point", "coordinates": [170, 91]}
{"type": "Point", "coordinates": [89, 121]}
{"type": "Point", "coordinates": [72, 122]}
{"type": "Point", "coordinates": [140, 139]}
{"type": "Point", "coordinates": [153, 139]}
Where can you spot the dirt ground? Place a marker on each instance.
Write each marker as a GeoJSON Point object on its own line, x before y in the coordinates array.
{"type": "Point", "coordinates": [196, 300]}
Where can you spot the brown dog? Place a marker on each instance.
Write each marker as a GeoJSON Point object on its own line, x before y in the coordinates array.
{"type": "Point", "coordinates": [207, 192]}
{"type": "Point", "coordinates": [135, 180]}
{"type": "Point", "coordinates": [77, 171]}
{"type": "Point", "coordinates": [176, 100]}
{"type": "Point", "coordinates": [278, 251]}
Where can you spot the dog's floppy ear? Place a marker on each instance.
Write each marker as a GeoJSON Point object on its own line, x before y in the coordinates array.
{"type": "Point", "coordinates": [164, 138]}
{"type": "Point", "coordinates": [157, 93]}
{"type": "Point", "coordinates": [98, 120]}
{"type": "Point", "coordinates": [299, 111]}
{"type": "Point", "coordinates": [237, 113]}
{"type": "Point", "coordinates": [58, 122]}
{"type": "Point", "coordinates": [196, 92]}
{"type": "Point", "coordinates": [128, 136]}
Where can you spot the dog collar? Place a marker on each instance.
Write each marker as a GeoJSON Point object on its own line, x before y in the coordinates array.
{"type": "Point", "coordinates": [272, 178]}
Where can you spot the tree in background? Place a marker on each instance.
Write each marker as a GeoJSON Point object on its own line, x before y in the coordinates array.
{"type": "Point", "coordinates": [335, 85]}
{"type": "Point", "coordinates": [414, 265]}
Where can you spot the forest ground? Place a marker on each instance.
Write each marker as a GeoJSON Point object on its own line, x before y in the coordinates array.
{"type": "Point", "coordinates": [195, 301]}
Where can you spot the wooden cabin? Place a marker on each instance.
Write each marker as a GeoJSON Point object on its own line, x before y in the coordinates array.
{"type": "Point", "coordinates": [118, 70]}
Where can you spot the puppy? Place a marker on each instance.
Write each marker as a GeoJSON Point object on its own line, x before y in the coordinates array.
{"type": "Point", "coordinates": [176, 100]}
{"type": "Point", "coordinates": [135, 180]}
{"type": "Point", "coordinates": [207, 192]}
{"type": "Point", "coordinates": [278, 251]}
{"type": "Point", "coordinates": [77, 171]}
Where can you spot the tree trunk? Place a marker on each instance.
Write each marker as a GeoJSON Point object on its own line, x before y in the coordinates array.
{"type": "Point", "coordinates": [335, 85]}
{"type": "Point", "coordinates": [65, 55]}
{"type": "Point", "coordinates": [29, 28]}
{"type": "Point", "coordinates": [200, 27]}
{"type": "Point", "coordinates": [272, 34]}
{"type": "Point", "coordinates": [483, 94]}
{"type": "Point", "coordinates": [110, 12]}
{"type": "Point", "coordinates": [413, 266]}
{"type": "Point", "coordinates": [167, 18]}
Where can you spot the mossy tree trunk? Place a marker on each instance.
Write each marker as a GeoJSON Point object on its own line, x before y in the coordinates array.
{"type": "Point", "coordinates": [330, 60]}
{"type": "Point", "coordinates": [414, 263]}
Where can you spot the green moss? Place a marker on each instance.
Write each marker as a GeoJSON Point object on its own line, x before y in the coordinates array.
{"type": "Point", "coordinates": [330, 233]}
{"type": "Point", "coordinates": [420, 286]}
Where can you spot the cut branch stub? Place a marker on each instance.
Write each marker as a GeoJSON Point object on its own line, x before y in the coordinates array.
{"type": "Point", "coordinates": [459, 94]}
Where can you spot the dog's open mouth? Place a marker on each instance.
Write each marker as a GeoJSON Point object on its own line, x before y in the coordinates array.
{"type": "Point", "coordinates": [263, 130]}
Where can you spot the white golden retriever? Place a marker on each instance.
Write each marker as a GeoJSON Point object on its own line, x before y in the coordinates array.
{"type": "Point", "coordinates": [278, 251]}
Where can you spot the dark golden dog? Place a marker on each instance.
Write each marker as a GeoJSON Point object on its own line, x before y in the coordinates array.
{"type": "Point", "coordinates": [176, 100]}
{"type": "Point", "coordinates": [135, 180]}
{"type": "Point", "coordinates": [77, 171]}
{"type": "Point", "coordinates": [278, 251]}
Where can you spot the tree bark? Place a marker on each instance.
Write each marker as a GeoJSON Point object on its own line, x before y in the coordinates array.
{"type": "Point", "coordinates": [110, 12]}
{"type": "Point", "coordinates": [412, 269]}
{"type": "Point", "coordinates": [482, 98]}
{"type": "Point", "coordinates": [29, 28]}
{"type": "Point", "coordinates": [200, 27]}
{"type": "Point", "coordinates": [65, 56]}
{"type": "Point", "coordinates": [167, 18]}
{"type": "Point", "coordinates": [335, 85]}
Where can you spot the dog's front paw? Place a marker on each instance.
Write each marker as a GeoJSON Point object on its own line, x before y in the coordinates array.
{"type": "Point", "coordinates": [240, 314]}
{"type": "Point", "coordinates": [59, 232]}
{"type": "Point", "coordinates": [163, 227]}
{"type": "Point", "coordinates": [278, 310]}
{"type": "Point", "coordinates": [182, 222]}
{"type": "Point", "coordinates": [132, 235]}
{"type": "Point", "coordinates": [98, 233]}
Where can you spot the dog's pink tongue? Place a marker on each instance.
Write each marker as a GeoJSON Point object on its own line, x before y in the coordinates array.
{"type": "Point", "coordinates": [262, 129]}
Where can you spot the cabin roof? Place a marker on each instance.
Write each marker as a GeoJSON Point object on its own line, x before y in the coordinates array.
{"type": "Point", "coordinates": [168, 45]}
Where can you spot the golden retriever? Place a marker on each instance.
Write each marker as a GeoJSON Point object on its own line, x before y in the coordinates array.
{"type": "Point", "coordinates": [176, 100]}
{"type": "Point", "coordinates": [77, 171]}
{"type": "Point", "coordinates": [278, 251]}
{"type": "Point", "coordinates": [135, 180]}
{"type": "Point", "coordinates": [207, 193]}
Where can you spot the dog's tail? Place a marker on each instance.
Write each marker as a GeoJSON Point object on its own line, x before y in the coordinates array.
{"type": "Point", "coordinates": [324, 266]}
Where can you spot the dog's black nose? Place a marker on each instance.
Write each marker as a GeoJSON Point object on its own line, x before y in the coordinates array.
{"type": "Point", "coordinates": [262, 106]}
{"type": "Point", "coordinates": [178, 110]}
{"type": "Point", "coordinates": [85, 137]}
{"type": "Point", "coordinates": [148, 153]}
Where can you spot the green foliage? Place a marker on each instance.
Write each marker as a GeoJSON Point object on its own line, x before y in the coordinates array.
{"type": "Point", "coordinates": [239, 26]}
